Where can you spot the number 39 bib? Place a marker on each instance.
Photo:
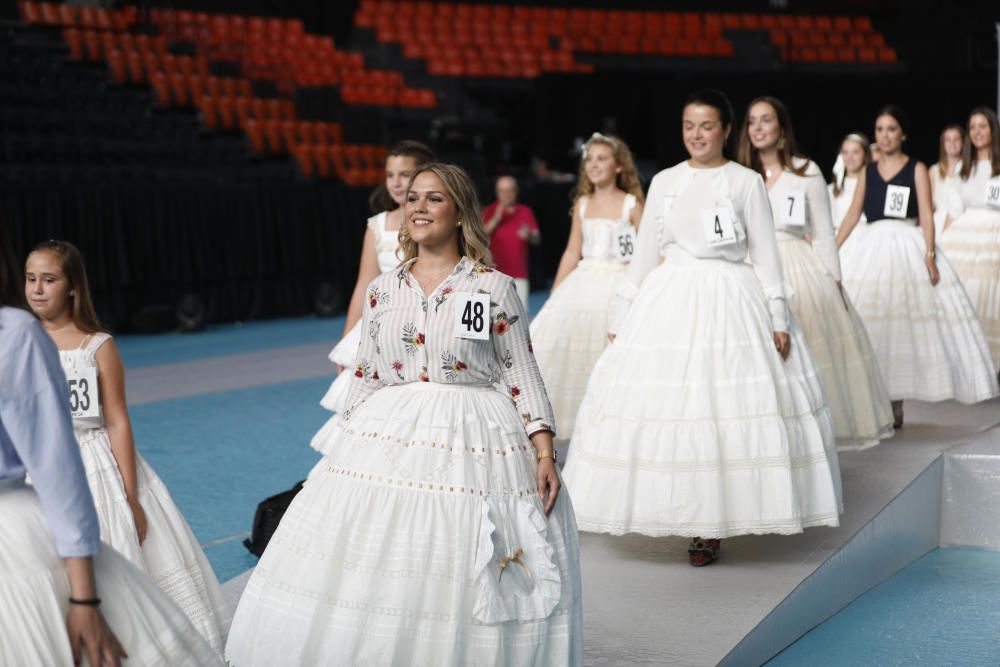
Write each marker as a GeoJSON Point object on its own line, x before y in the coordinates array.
{"type": "Point", "coordinates": [897, 201]}
{"type": "Point", "coordinates": [472, 316]}
{"type": "Point", "coordinates": [84, 394]}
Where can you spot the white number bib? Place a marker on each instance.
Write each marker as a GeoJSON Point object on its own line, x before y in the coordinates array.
{"type": "Point", "coordinates": [84, 393]}
{"type": "Point", "coordinates": [793, 209]}
{"type": "Point", "coordinates": [897, 200]}
{"type": "Point", "coordinates": [624, 240]}
{"type": "Point", "coordinates": [718, 226]}
{"type": "Point", "coordinates": [993, 192]}
{"type": "Point", "coordinates": [472, 316]}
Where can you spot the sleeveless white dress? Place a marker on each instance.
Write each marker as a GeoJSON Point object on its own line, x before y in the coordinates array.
{"type": "Point", "coordinates": [171, 554]}
{"type": "Point", "coordinates": [692, 423]}
{"type": "Point", "coordinates": [386, 248]}
{"type": "Point", "coordinates": [840, 203]}
{"type": "Point", "coordinates": [838, 342]}
{"type": "Point", "coordinates": [947, 198]}
{"type": "Point", "coordinates": [973, 246]}
{"type": "Point", "coordinates": [571, 330]}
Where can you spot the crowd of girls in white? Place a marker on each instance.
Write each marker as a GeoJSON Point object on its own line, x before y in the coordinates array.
{"type": "Point", "coordinates": [705, 352]}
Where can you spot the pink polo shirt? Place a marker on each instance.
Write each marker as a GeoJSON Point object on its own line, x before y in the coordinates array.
{"type": "Point", "coordinates": [510, 251]}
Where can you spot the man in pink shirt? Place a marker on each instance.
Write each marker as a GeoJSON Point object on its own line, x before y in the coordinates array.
{"type": "Point", "coordinates": [512, 227]}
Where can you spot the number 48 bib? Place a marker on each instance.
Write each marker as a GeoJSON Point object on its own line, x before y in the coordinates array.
{"type": "Point", "coordinates": [472, 316]}
{"type": "Point", "coordinates": [84, 394]}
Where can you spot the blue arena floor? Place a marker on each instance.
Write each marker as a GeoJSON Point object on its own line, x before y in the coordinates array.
{"type": "Point", "coordinates": [944, 609]}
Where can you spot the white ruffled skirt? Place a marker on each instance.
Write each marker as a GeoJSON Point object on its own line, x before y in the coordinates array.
{"type": "Point", "coordinates": [393, 554]}
{"type": "Point", "coordinates": [693, 425]}
{"type": "Point", "coordinates": [34, 594]}
{"type": "Point", "coordinates": [972, 243]}
{"type": "Point", "coordinates": [171, 554]}
{"type": "Point", "coordinates": [569, 334]}
{"type": "Point", "coordinates": [927, 338]}
{"type": "Point", "coordinates": [839, 345]}
{"type": "Point", "coordinates": [344, 354]}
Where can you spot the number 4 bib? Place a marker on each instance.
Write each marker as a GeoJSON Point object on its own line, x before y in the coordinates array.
{"type": "Point", "coordinates": [472, 316]}
{"type": "Point", "coordinates": [84, 393]}
{"type": "Point", "coordinates": [897, 201]}
{"type": "Point", "coordinates": [718, 226]}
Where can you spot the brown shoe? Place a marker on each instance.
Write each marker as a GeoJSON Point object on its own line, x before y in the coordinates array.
{"type": "Point", "coordinates": [703, 552]}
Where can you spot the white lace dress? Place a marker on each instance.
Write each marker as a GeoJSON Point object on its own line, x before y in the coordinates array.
{"type": "Point", "coordinates": [386, 247]}
{"type": "Point", "coordinates": [973, 246]}
{"type": "Point", "coordinates": [692, 423]}
{"type": "Point", "coordinates": [571, 330]}
{"type": "Point", "coordinates": [170, 554]}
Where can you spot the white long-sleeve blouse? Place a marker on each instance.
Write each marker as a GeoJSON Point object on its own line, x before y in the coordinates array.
{"type": "Point", "coordinates": [678, 199]}
{"type": "Point", "coordinates": [800, 206]}
{"type": "Point", "coordinates": [408, 336]}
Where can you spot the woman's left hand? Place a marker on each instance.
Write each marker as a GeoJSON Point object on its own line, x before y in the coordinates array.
{"type": "Point", "coordinates": [548, 483]}
{"type": "Point", "coordinates": [783, 343]}
{"type": "Point", "coordinates": [932, 270]}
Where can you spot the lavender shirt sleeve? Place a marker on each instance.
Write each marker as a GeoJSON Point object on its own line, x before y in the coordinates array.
{"type": "Point", "coordinates": [36, 435]}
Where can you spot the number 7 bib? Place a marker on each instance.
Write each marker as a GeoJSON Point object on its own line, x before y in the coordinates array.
{"type": "Point", "coordinates": [472, 316]}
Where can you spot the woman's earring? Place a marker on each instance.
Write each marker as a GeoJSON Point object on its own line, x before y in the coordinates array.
{"type": "Point", "coordinates": [459, 223]}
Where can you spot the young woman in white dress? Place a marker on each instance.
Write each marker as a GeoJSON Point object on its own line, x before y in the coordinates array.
{"type": "Point", "coordinates": [571, 330]}
{"type": "Point", "coordinates": [437, 534]}
{"type": "Point", "coordinates": [58, 583]}
{"type": "Point", "coordinates": [837, 340]}
{"type": "Point", "coordinates": [925, 332]}
{"type": "Point", "coordinates": [945, 197]}
{"type": "Point", "coordinates": [378, 255]}
{"type": "Point", "coordinates": [854, 155]}
{"type": "Point", "coordinates": [972, 241]}
{"type": "Point", "coordinates": [137, 515]}
{"type": "Point", "coordinates": [705, 417]}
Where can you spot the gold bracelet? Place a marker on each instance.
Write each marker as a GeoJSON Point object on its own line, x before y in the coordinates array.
{"type": "Point", "coordinates": [547, 454]}
{"type": "Point", "coordinates": [931, 254]}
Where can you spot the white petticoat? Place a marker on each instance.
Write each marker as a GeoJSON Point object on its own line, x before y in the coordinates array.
{"type": "Point", "coordinates": [171, 554]}
{"type": "Point", "coordinates": [34, 594]}
{"type": "Point", "coordinates": [344, 354]}
{"type": "Point", "coordinates": [927, 338]}
{"type": "Point", "coordinates": [972, 244]}
{"type": "Point", "coordinates": [839, 346]}
{"type": "Point", "coordinates": [569, 334]}
{"type": "Point", "coordinates": [693, 425]}
{"type": "Point", "coordinates": [391, 555]}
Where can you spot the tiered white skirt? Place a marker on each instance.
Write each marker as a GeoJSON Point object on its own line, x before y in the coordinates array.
{"type": "Point", "coordinates": [392, 554]}
{"type": "Point", "coordinates": [171, 554]}
{"type": "Point", "coordinates": [839, 345]}
{"type": "Point", "coordinates": [972, 244]}
{"type": "Point", "coordinates": [569, 334]}
{"type": "Point", "coordinates": [927, 338]}
{"type": "Point", "coordinates": [34, 594]}
{"type": "Point", "coordinates": [693, 425]}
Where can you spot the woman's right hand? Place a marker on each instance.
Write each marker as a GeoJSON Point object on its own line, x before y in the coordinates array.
{"type": "Point", "coordinates": [611, 337]}
{"type": "Point", "coordinates": [340, 369]}
{"type": "Point", "coordinates": [89, 632]}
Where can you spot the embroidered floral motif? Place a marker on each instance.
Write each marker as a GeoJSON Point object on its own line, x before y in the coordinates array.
{"type": "Point", "coordinates": [423, 375]}
{"type": "Point", "coordinates": [403, 277]}
{"type": "Point", "coordinates": [501, 322]}
{"type": "Point", "coordinates": [397, 368]}
{"type": "Point", "coordinates": [375, 375]}
{"type": "Point", "coordinates": [412, 338]}
{"type": "Point", "coordinates": [442, 297]}
{"type": "Point", "coordinates": [376, 297]}
{"type": "Point", "coordinates": [507, 359]}
{"type": "Point", "coordinates": [363, 370]}
{"type": "Point", "coordinates": [479, 270]}
{"type": "Point", "coordinates": [515, 391]}
{"type": "Point", "coordinates": [452, 366]}
{"type": "Point", "coordinates": [531, 348]}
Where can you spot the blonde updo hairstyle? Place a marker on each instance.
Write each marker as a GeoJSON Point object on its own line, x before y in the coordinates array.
{"type": "Point", "coordinates": [627, 179]}
{"type": "Point", "coordinates": [473, 241]}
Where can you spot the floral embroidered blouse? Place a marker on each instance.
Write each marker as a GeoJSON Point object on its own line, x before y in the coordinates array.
{"type": "Point", "coordinates": [408, 336]}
